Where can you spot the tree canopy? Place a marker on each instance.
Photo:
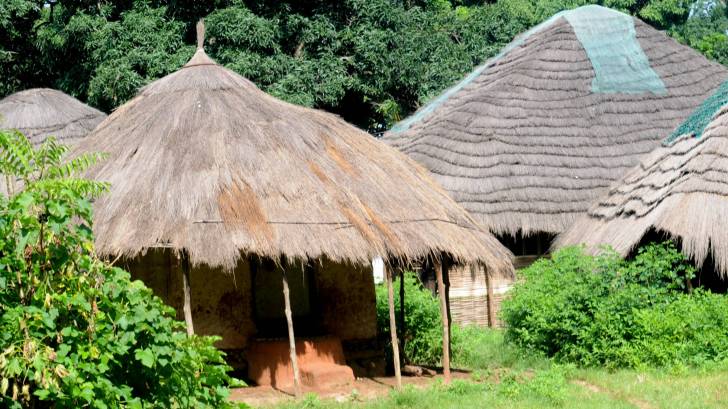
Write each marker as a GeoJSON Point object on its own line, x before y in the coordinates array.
{"type": "Point", "coordinates": [370, 61]}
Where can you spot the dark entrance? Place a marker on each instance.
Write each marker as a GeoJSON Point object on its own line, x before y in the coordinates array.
{"type": "Point", "coordinates": [268, 304]}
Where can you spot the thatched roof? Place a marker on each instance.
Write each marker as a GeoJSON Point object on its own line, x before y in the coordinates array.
{"type": "Point", "coordinates": [529, 139]}
{"type": "Point", "coordinates": [680, 189]}
{"type": "Point", "coordinates": [203, 161]}
{"type": "Point", "coordinates": [42, 112]}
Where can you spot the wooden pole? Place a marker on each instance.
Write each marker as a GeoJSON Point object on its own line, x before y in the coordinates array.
{"type": "Point", "coordinates": [393, 328]}
{"type": "Point", "coordinates": [402, 325]}
{"type": "Point", "coordinates": [489, 301]}
{"type": "Point", "coordinates": [291, 335]}
{"type": "Point", "coordinates": [187, 307]}
{"type": "Point", "coordinates": [445, 326]}
{"type": "Point", "coordinates": [446, 280]}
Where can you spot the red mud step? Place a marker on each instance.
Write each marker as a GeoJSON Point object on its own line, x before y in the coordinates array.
{"type": "Point", "coordinates": [324, 375]}
{"type": "Point", "coordinates": [320, 360]}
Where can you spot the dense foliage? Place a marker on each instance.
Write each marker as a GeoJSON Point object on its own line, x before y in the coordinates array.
{"type": "Point", "coordinates": [602, 310]}
{"type": "Point", "coordinates": [471, 346]}
{"type": "Point", "coordinates": [371, 61]}
{"type": "Point", "coordinates": [423, 326]}
{"type": "Point", "coordinates": [75, 331]}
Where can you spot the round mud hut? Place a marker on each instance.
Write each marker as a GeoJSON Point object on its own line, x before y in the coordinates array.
{"type": "Point", "coordinates": [41, 112]}
{"type": "Point", "coordinates": [678, 191]}
{"type": "Point", "coordinates": [224, 198]}
{"type": "Point", "coordinates": [532, 137]}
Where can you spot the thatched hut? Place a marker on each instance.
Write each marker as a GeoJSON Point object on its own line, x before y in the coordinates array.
{"type": "Point", "coordinates": [222, 189]}
{"type": "Point", "coordinates": [680, 190]}
{"type": "Point", "coordinates": [531, 137]}
{"type": "Point", "coordinates": [41, 112]}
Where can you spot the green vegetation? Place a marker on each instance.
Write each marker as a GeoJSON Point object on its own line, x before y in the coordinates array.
{"type": "Point", "coordinates": [423, 333]}
{"type": "Point", "coordinates": [501, 379]}
{"type": "Point", "coordinates": [601, 310]}
{"type": "Point", "coordinates": [423, 327]}
{"type": "Point", "coordinates": [74, 330]}
{"type": "Point", "coordinates": [573, 321]}
{"type": "Point", "coordinates": [371, 61]}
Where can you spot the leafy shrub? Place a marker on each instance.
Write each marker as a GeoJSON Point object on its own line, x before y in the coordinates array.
{"type": "Point", "coordinates": [601, 310]}
{"type": "Point", "coordinates": [423, 326]}
{"type": "Point", "coordinates": [75, 331]}
{"type": "Point", "coordinates": [693, 329]}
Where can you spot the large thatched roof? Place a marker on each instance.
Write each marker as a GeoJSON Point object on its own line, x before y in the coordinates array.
{"type": "Point", "coordinates": [529, 139]}
{"type": "Point", "coordinates": [42, 112]}
{"type": "Point", "coordinates": [680, 189]}
{"type": "Point", "coordinates": [203, 161]}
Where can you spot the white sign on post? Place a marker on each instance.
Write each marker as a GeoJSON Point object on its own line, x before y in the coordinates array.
{"type": "Point", "coordinates": [378, 270]}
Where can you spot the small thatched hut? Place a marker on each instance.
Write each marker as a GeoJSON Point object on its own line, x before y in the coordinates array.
{"type": "Point", "coordinates": [680, 190]}
{"type": "Point", "coordinates": [222, 188]}
{"type": "Point", "coordinates": [531, 137]}
{"type": "Point", "coordinates": [41, 112]}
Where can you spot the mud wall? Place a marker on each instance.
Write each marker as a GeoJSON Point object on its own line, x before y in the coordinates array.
{"type": "Point", "coordinates": [346, 300]}
{"type": "Point", "coordinates": [223, 302]}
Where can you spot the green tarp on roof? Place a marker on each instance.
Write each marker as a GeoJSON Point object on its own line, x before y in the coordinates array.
{"type": "Point", "coordinates": [700, 118]}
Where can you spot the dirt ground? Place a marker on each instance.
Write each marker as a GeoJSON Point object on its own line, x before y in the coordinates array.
{"type": "Point", "coordinates": [361, 389]}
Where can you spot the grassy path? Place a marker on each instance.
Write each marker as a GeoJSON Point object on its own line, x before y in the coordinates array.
{"type": "Point", "coordinates": [503, 378]}
{"type": "Point", "coordinates": [553, 388]}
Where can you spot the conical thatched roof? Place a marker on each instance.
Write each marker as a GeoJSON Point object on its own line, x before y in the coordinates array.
{"type": "Point", "coordinates": [42, 112]}
{"type": "Point", "coordinates": [680, 189]}
{"type": "Point", "coordinates": [529, 139]}
{"type": "Point", "coordinates": [203, 161]}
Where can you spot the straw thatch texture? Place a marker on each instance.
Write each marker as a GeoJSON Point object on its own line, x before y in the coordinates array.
{"type": "Point", "coordinates": [42, 112]}
{"type": "Point", "coordinates": [680, 189]}
{"type": "Point", "coordinates": [203, 161]}
{"type": "Point", "coordinates": [528, 144]}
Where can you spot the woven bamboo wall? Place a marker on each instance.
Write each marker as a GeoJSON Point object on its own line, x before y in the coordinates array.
{"type": "Point", "coordinates": [469, 293]}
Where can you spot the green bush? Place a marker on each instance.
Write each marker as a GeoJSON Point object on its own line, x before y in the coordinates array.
{"type": "Point", "coordinates": [601, 310]}
{"type": "Point", "coordinates": [423, 326]}
{"type": "Point", "coordinates": [692, 330]}
{"type": "Point", "coordinates": [75, 331]}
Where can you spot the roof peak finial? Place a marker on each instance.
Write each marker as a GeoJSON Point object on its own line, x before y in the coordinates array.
{"type": "Point", "coordinates": [200, 33]}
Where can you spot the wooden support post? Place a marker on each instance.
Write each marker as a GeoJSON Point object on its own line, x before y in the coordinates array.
{"type": "Point", "coordinates": [489, 301]}
{"type": "Point", "coordinates": [402, 325]}
{"type": "Point", "coordinates": [291, 335]}
{"type": "Point", "coordinates": [187, 307]}
{"type": "Point", "coordinates": [393, 328]}
{"type": "Point", "coordinates": [445, 326]}
{"type": "Point", "coordinates": [446, 280]}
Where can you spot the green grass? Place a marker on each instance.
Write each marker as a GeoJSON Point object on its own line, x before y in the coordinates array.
{"type": "Point", "coordinates": [504, 377]}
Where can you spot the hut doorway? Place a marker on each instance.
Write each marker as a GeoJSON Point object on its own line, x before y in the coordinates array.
{"type": "Point", "coordinates": [527, 248]}
{"type": "Point", "coordinates": [707, 276]}
{"type": "Point", "coordinates": [268, 303]}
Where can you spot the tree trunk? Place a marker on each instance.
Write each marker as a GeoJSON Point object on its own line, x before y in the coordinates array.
{"type": "Point", "coordinates": [187, 307]}
{"type": "Point", "coordinates": [490, 303]}
{"type": "Point", "coordinates": [393, 328]}
{"type": "Point", "coordinates": [445, 326]}
{"type": "Point", "coordinates": [291, 336]}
